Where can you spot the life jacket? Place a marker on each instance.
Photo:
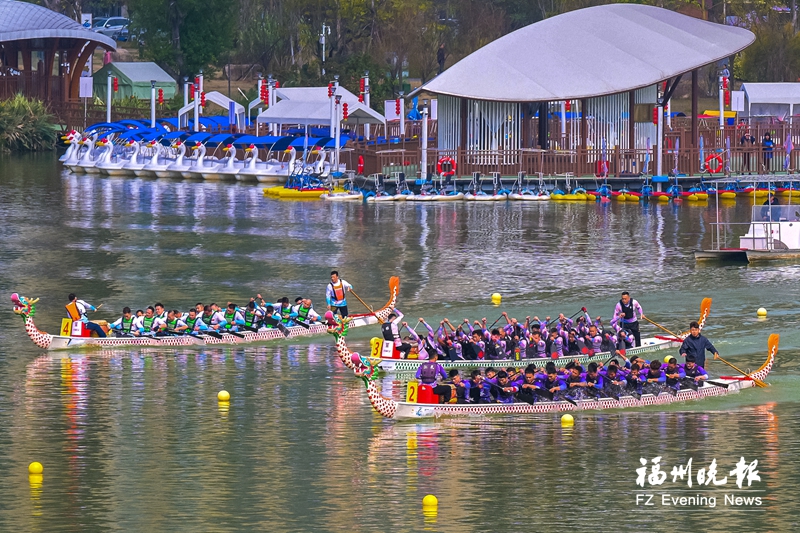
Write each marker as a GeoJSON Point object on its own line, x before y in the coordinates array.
{"type": "Point", "coordinates": [386, 331]}
{"type": "Point", "coordinates": [471, 351]}
{"type": "Point", "coordinates": [672, 381]}
{"type": "Point", "coordinates": [302, 312]}
{"type": "Point", "coordinates": [628, 310]}
{"type": "Point", "coordinates": [427, 372]}
{"type": "Point", "coordinates": [126, 325]}
{"type": "Point", "coordinates": [171, 324]}
{"type": "Point", "coordinates": [191, 322]}
{"type": "Point", "coordinates": [285, 314]}
{"type": "Point", "coordinates": [338, 290]}
{"type": "Point", "coordinates": [491, 351]}
{"type": "Point", "coordinates": [147, 323]}
{"type": "Point", "coordinates": [691, 372]}
{"type": "Point", "coordinates": [229, 319]}
{"type": "Point", "coordinates": [249, 317]}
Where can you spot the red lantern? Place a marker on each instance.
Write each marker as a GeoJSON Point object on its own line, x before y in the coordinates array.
{"type": "Point", "coordinates": [191, 91]}
{"type": "Point", "coordinates": [160, 96]}
{"type": "Point", "coordinates": [116, 84]}
{"type": "Point", "coordinates": [277, 84]}
{"type": "Point", "coordinates": [203, 99]}
{"type": "Point", "coordinates": [330, 90]}
{"type": "Point", "coordinates": [725, 83]}
{"type": "Point", "coordinates": [361, 85]}
{"type": "Point", "coordinates": [397, 107]}
{"type": "Point", "coordinates": [197, 80]}
{"type": "Point", "coordinates": [655, 115]}
{"type": "Point", "coordinates": [360, 98]}
{"type": "Point", "coordinates": [568, 106]}
{"type": "Point", "coordinates": [727, 95]}
{"type": "Point", "coordinates": [344, 111]}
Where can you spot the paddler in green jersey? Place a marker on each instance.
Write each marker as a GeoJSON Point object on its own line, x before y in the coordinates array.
{"type": "Point", "coordinates": [252, 314]}
{"type": "Point", "coordinates": [126, 325]}
{"type": "Point", "coordinates": [148, 321]}
{"type": "Point", "coordinates": [305, 312]}
{"type": "Point", "coordinates": [172, 324]}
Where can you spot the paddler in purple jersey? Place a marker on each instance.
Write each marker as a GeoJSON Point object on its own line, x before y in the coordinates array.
{"type": "Point", "coordinates": [504, 390]}
{"type": "Point", "coordinates": [536, 347]}
{"type": "Point", "coordinates": [614, 383]}
{"type": "Point", "coordinates": [655, 379]}
{"type": "Point", "coordinates": [529, 385]}
{"type": "Point", "coordinates": [625, 311]}
{"type": "Point", "coordinates": [673, 373]}
{"type": "Point", "coordinates": [555, 344]}
{"type": "Point", "coordinates": [429, 371]}
{"type": "Point", "coordinates": [594, 380]}
{"type": "Point", "coordinates": [695, 374]}
{"type": "Point", "coordinates": [593, 341]}
{"type": "Point", "coordinates": [635, 379]}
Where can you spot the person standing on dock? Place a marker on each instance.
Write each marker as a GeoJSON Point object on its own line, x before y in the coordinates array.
{"type": "Point", "coordinates": [336, 294]}
{"type": "Point", "coordinates": [767, 145]}
{"type": "Point", "coordinates": [696, 345]}
{"type": "Point", "coordinates": [626, 310]}
{"type": "Point", "coordinates": [747, 141]}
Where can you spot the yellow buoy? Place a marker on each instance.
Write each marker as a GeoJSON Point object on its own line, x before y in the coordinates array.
{"type": "Point", "coordinates": [663, 198]}
{"type": "Point", "coordinates": [35, 468]}
{"type": "Point", "coordinates": [430, 501]}
{"type": "Point", "coordinates": [761, 312]}
{"type": "Point", "coordinates": [496, 298]}
{"type": "Point", "coordinates": [667, 358]}
{"type": "Point", "coordinates": [223, 396]}
{"type": "Point", "coordinates": [567, 420]}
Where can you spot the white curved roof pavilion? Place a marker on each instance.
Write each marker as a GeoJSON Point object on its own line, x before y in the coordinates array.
{"type": "Point", "coordinates": [590, 52]}
{"type": "Point", "coordinates": [605, 60]}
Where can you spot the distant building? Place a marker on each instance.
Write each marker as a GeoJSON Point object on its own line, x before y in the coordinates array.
{"type": "Point", "coordinates": [43, 53]}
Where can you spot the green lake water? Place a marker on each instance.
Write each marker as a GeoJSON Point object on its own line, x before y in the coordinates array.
{"type": "Point", "coordinates": [135, 440]}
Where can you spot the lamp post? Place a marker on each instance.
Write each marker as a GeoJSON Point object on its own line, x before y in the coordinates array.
{"type": "Point", "coordinates": [338, 117]}
{"type": "Point", "coordinates": [108, 97]}
{"type": "Point", "coordinates": [366, 102]}
{"type": "Point", "coordinates": [152, 103]}
{"type": "Point", "coordinates": [423, 173]}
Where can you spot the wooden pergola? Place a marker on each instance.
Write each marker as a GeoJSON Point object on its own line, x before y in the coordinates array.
{"type": "Point", "coordinates": [43, 53]}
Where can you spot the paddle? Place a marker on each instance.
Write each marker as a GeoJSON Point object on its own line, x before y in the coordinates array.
{"type": "Point", "coordinates": [365, 305]}
{"type": "Point", "coordinates": [758, 382]}
{"type": "Point", "coordinates": [209, 333]}
{"type": "Point", "coordinates": [235, 334]}
{"type": "Point", "coordinates": [717, 383]}
{"type": "Point", "coordinates": [275, 323]}
{"type": "Point", "coordinates": [304, 324]}
{"type": "Point", "coordinates": [662, 327]}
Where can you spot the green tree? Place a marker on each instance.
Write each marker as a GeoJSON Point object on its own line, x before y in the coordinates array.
{"type": "Point", "coordinates": [184, 36]}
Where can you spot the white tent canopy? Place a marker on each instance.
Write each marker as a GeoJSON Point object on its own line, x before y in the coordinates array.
{"type": "Point", "coordinates": [314, 94]}
{"type": "Point", "coordinates": [771, 99]}
{"type": "Point", "coordinates": [316, 113]}
{"type": "Point", "coordinates": [587, 53]}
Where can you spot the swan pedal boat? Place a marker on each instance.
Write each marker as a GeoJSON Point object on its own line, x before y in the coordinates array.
{"type": "Point", "coordinates": [395, 365]}
{"type": "Point", "coordinates": [47, 341]}
{"type": "Point", "coordinates": [389, 408]}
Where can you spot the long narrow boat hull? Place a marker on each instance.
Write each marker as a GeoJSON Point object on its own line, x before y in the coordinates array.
{"type": "Point", "coordinates": [59, 342]}
{"type": "Point", "coordinates": [390, 408]}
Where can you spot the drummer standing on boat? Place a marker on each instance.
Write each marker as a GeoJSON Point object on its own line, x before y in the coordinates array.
{"type": "Point", "coordinates": [626, 310]}
{"type": "Point", "coordinates": [695, 344]}
{"type": "Point", "coordinates": [336, 294]}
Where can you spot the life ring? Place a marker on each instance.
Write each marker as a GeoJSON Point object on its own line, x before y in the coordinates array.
{"type": "Point", "coordinates": [718, 159]}
{"type": "Point", "coordinates": [361, 164]}
{"type": "Point", "coordinates": [446, 159]}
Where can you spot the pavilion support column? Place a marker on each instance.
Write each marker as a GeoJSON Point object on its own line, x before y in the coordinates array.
{"type": "Point", "coordinates": [526, 125]}
{"type": "Point", "coordinates": [695, 140]}
{"type": "Point", "coordinates": [49, 60]}
{"type": "Point", "coordinates": [543, 125]}
{"type": "Point", "coordinates": [631, 124]}
{"type": "Point", "coordinates": [584, 123]}
{"type": "Point", "coordinates": [463, 123]}
{"type": "Point", "coordinates": [75, 75]}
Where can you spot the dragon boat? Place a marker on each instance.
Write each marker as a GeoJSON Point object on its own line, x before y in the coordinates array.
{"type": "Point", "coordinates": [26, 308]}
{"type": "Point", "coordinates": [388, 360]}
{"type": "Point", "coordinates": [367, 369]}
